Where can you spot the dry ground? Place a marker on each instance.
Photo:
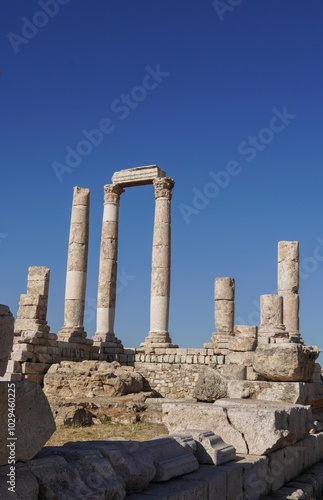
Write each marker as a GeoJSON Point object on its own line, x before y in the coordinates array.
{"type": "Point", "coordinates": [108, 431]}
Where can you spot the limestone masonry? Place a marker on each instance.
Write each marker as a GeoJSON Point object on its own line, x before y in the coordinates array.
{"type": "Point", "coordinates": [244, 411]}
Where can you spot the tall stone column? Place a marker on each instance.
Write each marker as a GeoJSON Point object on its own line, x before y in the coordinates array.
{"type": "Point", "coordinates": [160, 274]}
{"type": "Point", "coordinates": [73, 328]}
{"type": "Point", "coordinates": [288, 285]}
{"type": "Point", "coordinates": [107, 288]}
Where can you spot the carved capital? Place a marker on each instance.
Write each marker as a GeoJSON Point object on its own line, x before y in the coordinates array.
{"type": "Point", "coordinates": [163, 187]}
{"type": "Point", "coordinates": [112, 193]}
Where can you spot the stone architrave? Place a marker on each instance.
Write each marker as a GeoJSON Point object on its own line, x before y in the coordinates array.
{"type": "Point", "coordinates": [73, 329]}
{"type": "Point", "coordinates": [288, 286]}
{"type": "Point", "coordinates": [160, 274]}
{"type": "Point", "coordinates": [271, 329]}
{"type": "Point", "coordinates": [107, 288]}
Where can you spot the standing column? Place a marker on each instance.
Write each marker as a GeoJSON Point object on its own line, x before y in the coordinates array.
{"type": "Point", "coordinates": [223, 312]}
{"type": "Point", "coordinates": [224, 305]}
{"type": "Point", "coordinates": [288, 285]}
{"type": "Point", "coordinates": [73, 329]}
{"type": "Point", "coordinates": [271, 329]}
{"type": "Point", "coordinates": [160, 274]}
{"type": "Point", "coordinates": [107, 288]}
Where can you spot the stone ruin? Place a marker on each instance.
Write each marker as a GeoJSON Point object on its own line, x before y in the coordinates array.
{"type": "Point", "coordinates": [244, 413]}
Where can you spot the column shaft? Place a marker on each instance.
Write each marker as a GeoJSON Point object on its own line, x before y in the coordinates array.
{"type": "Point", "coordinates": [161, 260]}
{"type": "Point", "coordinates": [224, 305]}
{"type": "Point", "coordinates": [271, 329]}
{"type": "Point", "coordinates": [76, 267]}
{"type": "Point", "coordinates": [288, 285]}
{"type": "Point", "coordinates": [107, 287]}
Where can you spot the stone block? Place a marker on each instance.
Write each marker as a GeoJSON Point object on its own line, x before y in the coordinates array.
{"type": "Point", "coordinates": [34, 420]}
{"type": "Point", "coordinates": [33, 378]}
{"type": "Point", "coordinates": [38, 273]}
{"type": "Point", "coordinates": [218, 483]}
{"type": "Point", "coordinates": [255, 475]}
{"type": "Point", "coordinates": [35, 368]}
{"type": "Point", "coordinates": [286, 362]}
{"type": "Point", "coordinates": [210, 385]}
{"type": "Point", "coordinates": [234, 372]}
{"type": "Point", "coordinates": [242, 344]}
{"type": "Point", "coordinates": [224, 289]}
{"type": "Point", "coordinates": [169, 457]}
{"type": "Point", "coordinates": [59, 479]}
{"type": "Point", "coordinates": [174, 467]}
{"type": "Point", "coordinates": [251, 427]}
{"type": "Point", "coordinates": [13, 366]}
{"type": "Point", "coordinates": [22, 355]}
{"type": "Point", "coordinates": [43, 358]}
{"type": "Point", "coordinates": [240, 358]}
{"type": "Point", "coordinates": [11, 377]}
{"type": "Point", "coordinates": [29, 299]}
{"type": "Point", "coordinates": [32, 312]}
{"type": "Point", "coordinates": [177, 489]}
{"type": "Point", "coordinates": [211, 449]}
{"type": "Point", "coordinates": [245, 331]}
{"type": "Point", "coordinates": [38, 287]}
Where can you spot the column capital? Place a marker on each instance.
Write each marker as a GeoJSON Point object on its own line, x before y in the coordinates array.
{"type": "Point", "coordinates": [163, 187]}
{"type": "Point", "coordinates": [112, 193]}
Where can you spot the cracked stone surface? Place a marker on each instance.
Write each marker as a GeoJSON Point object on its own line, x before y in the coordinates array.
{"type": "Point", "coordinates": [251, 427]}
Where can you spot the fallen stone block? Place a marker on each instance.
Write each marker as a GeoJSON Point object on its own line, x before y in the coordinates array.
{"type": "Point", "coordinates": [286, 362]}
{"type": "Point", "coordinates": [208, 447]}
{"type": "Point", "coordinates": [169, 457]}
{"type": "Point", "coordinates": [31, 422]}
{"type": "Point", "coordinates": [134, 468]}
{"type": "Point", "coordinates": [211, 449]}
{"type": "Point", "coordinates": [58, 479]}
{"type": "Point", "coordinates": [251, 427]}
{"type": "Point", "coordinates": [304, 393]}
{"type": "Point", "coordinates": [90, 378]}
{"type": "Point", "coordinates": [174, 467]}
{"type": "Point", "coordinates": [96, 473]}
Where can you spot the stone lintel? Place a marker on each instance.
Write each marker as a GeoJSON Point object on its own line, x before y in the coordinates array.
{"type": "Point", "coordinates": [138, 176]}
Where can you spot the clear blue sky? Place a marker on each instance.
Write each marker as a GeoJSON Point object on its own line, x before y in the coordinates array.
{"type": "Point", "coordinates": [231, 88]}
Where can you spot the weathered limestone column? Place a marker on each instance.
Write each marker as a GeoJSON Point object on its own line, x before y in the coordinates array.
{"type": "Point", "coordinates": [223, 312]}
{"type": "Point", "coordinates": [160, 274]}
{"type": "Point", "coordinates": [271, 329]}
{"type": "Point", "coordinates": [73, 329]}
{"type": "Point", "coordinates": [224, 305]}
{"type": "Point", "coordinates": [288, 285]}
{"type": "Point", "coordinates": [107, 288]}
